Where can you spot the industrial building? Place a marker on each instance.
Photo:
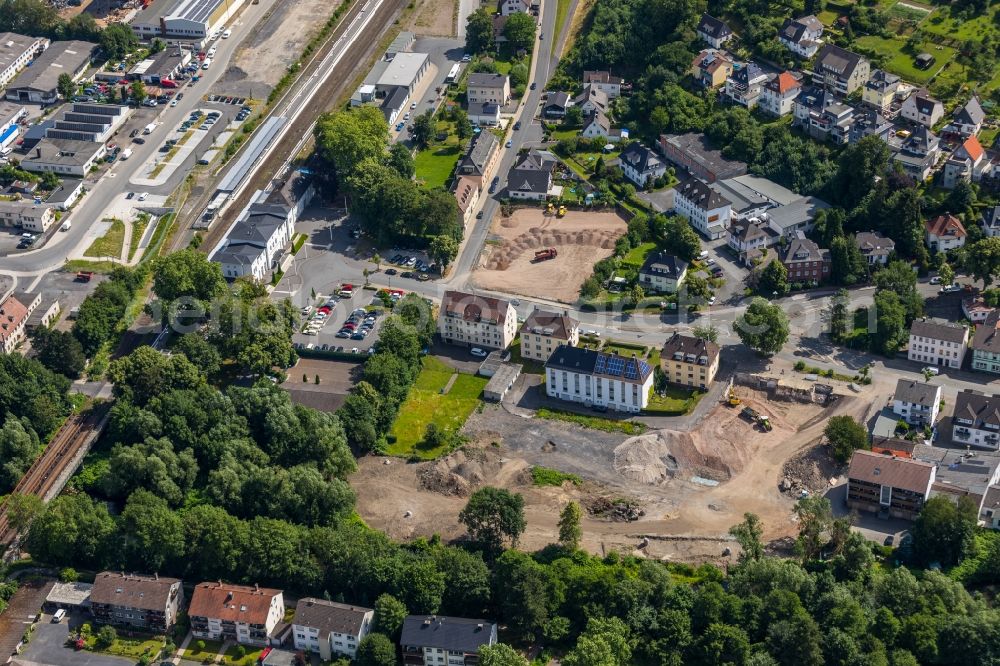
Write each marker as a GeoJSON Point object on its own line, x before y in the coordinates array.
{"type": "Point", "coordinates": [66, 157]}
{"type": "Point", "coordinates": [184, 19]}
{"type": "Point", "coordinates": [164, 65]}
{"type": "Point", "coordinates": [16, 51]}
{"type": "Point", "coordinates": [39, 84]}
{"type": "Point", "coordinates": [82, 121]}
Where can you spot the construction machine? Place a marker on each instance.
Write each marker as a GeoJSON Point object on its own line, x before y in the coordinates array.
{"type": "Point", "coordinates": [733, 399]}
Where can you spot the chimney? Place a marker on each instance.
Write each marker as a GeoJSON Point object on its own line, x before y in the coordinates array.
{"type": "Point", "coordinates": [156, 575]}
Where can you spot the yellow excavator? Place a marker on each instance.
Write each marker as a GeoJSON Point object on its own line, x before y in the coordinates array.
{"type": "Point", "coordinates": [733, 399]}
{"type": "Point", "coordinates": [562, 211]}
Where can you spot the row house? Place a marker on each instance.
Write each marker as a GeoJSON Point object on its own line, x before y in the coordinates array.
{"type": "Point", "coordinates": [802, 36]}
{"type": "Point", "coordinates": [917, 403]}
{"type": "Point", "coordinates": [707, 211]}
{"type": "Point", "coordinates": [247, 615]}
{"type": "Point", "coordinates": [25, 214]}
{"type": "Point", "coordinates": [937, 343]}
{"type": "Point", "coordinates": [713, 31]}
{"type": "Point", "coordinates": [779, 94]}
{"type": "Point", "coordinates": [436, 640]}
{"type": "Point", "coordinates": [596, 379]}
{"type": "Point", "coordinates": [543, 332]}
{"type": "Point", "coordinates": [944, 232]}
{"type": "Point", "coordinates": [890, 486]}
{"type": "Point", "coordinates": [467, 191]}
{"type": "Point", "coordinates": [922, 109]}
{"type": "Point", "coordinates": [805, 261]}
{"type": "Point", "coordinates": [476, 321]}
{"type": "Point", "coordinates": [919, 154]}
{"type": "Point", "coordinates": [330, 629]}
{"type": "Point", "coordinates": [689, 361]}
{"type": "Point", "coordinates": [133, 601]}
{"type": "Point", "coordinates": [985, 345]}
{"type": "Point", "coordinates": [968, 163]}
{"type": "Point", "coordinates": [840, 71]}
{"type": "Point", "coordinates": [976, 421]}
{"type": "Point", "coordinates": [746, 85]}
{"type": "Point", "coordinates": [880, 90]}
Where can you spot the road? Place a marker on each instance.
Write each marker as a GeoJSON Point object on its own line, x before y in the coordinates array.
{"type": "Point", "coordinates": [114, 183]}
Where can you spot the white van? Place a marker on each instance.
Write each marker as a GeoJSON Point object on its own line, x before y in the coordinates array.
{"type": "Point", "coordinates": [58, 616]}
{"type": "Point", "coordinates": [66, 226]}
{"type": "Point", "coordinates": [207, 63]}
{"type": "Point", "coordinates": [226, 34]}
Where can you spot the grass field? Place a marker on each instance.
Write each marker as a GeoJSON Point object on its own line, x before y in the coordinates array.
{"type": "Point", "coordinates": [138, 229]}
{"type": "Point", "coordinates": [134, 648]}
{"type": "Point", "coordinates": [211, 649]}
{"type": "Point", "coordinates": [110, 244]}
{"type": "Point", "coordinates": [676, 401]}
{"type": "Point", "coordinates": [637, 255]}
{"type": "Point", "coordinates": [435, 165]}
{"type": "Point", "coordinates": [425, 404]}
{"type": "Point", "coordinates": [592, 422]}
{"type": "Point", "coordinates": [901, 63]}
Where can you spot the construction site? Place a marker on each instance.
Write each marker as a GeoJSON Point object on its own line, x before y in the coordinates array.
{"type": "Point", "coordinates": [668, 493]}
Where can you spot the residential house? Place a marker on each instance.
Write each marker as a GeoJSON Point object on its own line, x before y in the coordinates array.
{"type": "Point", "coordinates": [467, 192]}
{"type": "Point", "coordinates": [531, 178]}
{"type": "Point", "coordinates": [476, 321]}
{"type": "Point", "coordinates": [689, 361]}
{"type": "Point", "coordinates": [603, 80]}
{"type": "Point", "coordinates": [991, 508]}
{"type": "Point", "coordinates": [593, 378]}
{"type": "Point", "coordinates": [711, 68]}
{"type": "Point", "coordinates": [640, 164]}
{"type": "Point", "coordinates": [745, 85]}
{"type": "Point", "coordinates": [484, 87]}
{"type": "Point", "coordinates": [937, 343]}
{"type": "Point", "coordinates": [592, 100]}
{"type": "Point", "coordinates": [839, 70]}
{"type": "Point", "coordinates": [916, 402]}
{"type": "Point", "coordinates": [822, 116]}
{"type": "Point", "coordinates": [874, 247]}
{"type": "Point", "coordinates": [256, 242]}
{"type": "Point", "coordinates": [144, 603]}
{"type": "Point", "coordinates": [802, 36]}
{"type": "Point", "coordinates": [748, 238]}
{"type": "Point", "coordinates": [976, 421]}
{"type": "Point", "coordinates": [919, 154]}
{"type": "Point", "coordinates": [990, 221]}
{"type": "Point", "coordinates": [922, 109]}
{"type": "Point", "coordinates": [484, 114]}
{"type": "Point", "coordinates": [713, 31]}
{"type": "Point", "coordinates": [598, 126]}
{"type": "Point", "coordinates": [556, 105]}
{"type": "Point", "coordinates": [708, 211]}
{"type": "Point", "coordinates": [805, 260]}
{"type": "Point", "coordinates": [662, 272]}
{"type": "Point", "coordinates": [436, 640]}
{"type": "Point", "coordinates": [869, 122]}
{"type": "Point", "coordinates": [13, 317]}
{"type": "Point", "coordinates": [25, 214]}
{"type": "Point", "coordinates": [508, 7]}
{"type": "Point", "coordinates": [967, 163]}
{"type": "Point", "coordinates": [880, 90]}
{"type": "Point", "coordinates": [330, 629]}
{"type": "Point", "coordinates": [976, 311]}
{"type": "Point", "coordinates": [481, 158]}
{"type": "Point", "coordinates": [247, 615]}
{"type": "Point", "coordinates": [544, 331]}
{"type": "Point", "coordinates": [968, 119]}
{"type": "Point", "coordinates": [779, 94]}
{"type": "Point", "coordinates": [944, 232]}
{"type": "Point", "coordinates": [890, 486]}
{"type": "Point", "coordinates": [693, 153]}
{"type": "Point", "coordinates": [985, 344]}
{"type": "Point", "coordinates": [962, 473]}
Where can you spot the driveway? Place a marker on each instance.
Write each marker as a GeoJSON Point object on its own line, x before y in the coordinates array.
{"type": "Point", "coordinates": [48, 647]}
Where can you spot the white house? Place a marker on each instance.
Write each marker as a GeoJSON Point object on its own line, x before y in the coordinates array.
{"type": "Point", "coordinates": [436, 640]}
{"type": "Point", "coordinates": [922, 109]}
{"type": "Point", "coordinates": [330, 629]}
{"type": "Point", "coordinates": [255, 242]}
{"type": "Point", "coordinates": [779, 94]}
{"type": "Point", "coordinates": [916, 402]}
{"type": "Point", "coordinates": [944, 232]}
{"type": "Point", "coordinates": [247, 615]}
{"type": "Point", "coordinates": [485, 87]}
{"type": "Point", "coordinates": [508, 7]}
{"type": "Point", "coordinates": [708, 211]}
{"type": "Point", "coordinates": [802, 36]}
{"type": "Point", "coordinates": [968, 163]}
{"type": "Point", "coordinates": [874, 247]}
{"type": "Point", "coordinates": [968, 119]}
{"type": "Point", "coordinates": [597, 379]}
{"type": "Point", "coordinates": [603, 79]}
{"type": "Point", "coordinates": [976, 421]}
{"type": "Point", "coordinates": [746, 85]}
{"type": "Point", "coordinates": [476, 321]}
{"type": "Point", "coordinates": [713, 31]}
{"type": "Point", "coordinates": [640, 164]}
{"type": "Point", "coordinates": [937, 343]}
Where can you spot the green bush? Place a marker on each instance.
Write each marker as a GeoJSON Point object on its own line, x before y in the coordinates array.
{"type": "Point", "coordinates": [545, 476]}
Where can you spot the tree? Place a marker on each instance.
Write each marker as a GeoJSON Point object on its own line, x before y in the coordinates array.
{"type": "Point", "coordinates": [763, 327]}
{"type": "Point", "coordinates": [982, 260]}
{"type": "Point", "coordinates": [773, 280]}
{"type": "Point", "coordinates": [500, 654]}
{"type": "Point", "coordinates": [138, 91]}
{"type": "Point", "coordinates": [946, 272]}
{"type": "Point", "coordinates": [890, 324]}
{"type": "Point", "coordinates": [839, 315]}
{"type": "Point", "coordinates": [479, 32]}
{"type": "Point", "coordinates": [389, 615]}
{"type": "Point", "coordinates": [376, 650]}
{"type": "Point", "coordinates": [675, 236]}
{"type": "Point", "coordinates": [146, 373]}
{"type": "Point", "coordinates": [604, 643]}
{"type": "Point", "coordinates": [68, 575]}
{"type": "Point", "coordinates": [188, 273]}
{"type": "Point", "coordinates": [944, 531]}
{"type": "Point", "coordinates": [706, 332]}
{"type": "Point", "coordinates": [345, 139]}
{"type": "Point", "coordinates": [847, 266]}
{"type": "Point", "coordinates": [573, 117]}
{"type": "Point", "coordinates": [106, 636]}
{"type": "Point", "coordinates": [153, 534]}
{"type": "Point", "coordinates": [748, 534]}
{"type": "Point", "coordinates": [203, 354]}
{"type": "Point", "coordinates": [443, 250]}
{"type": "Point", "coordinates": [19, 446]}
{"type": "Point", "coordinates": [635, 294]}
{"type": "Point", "coordinates": [815, 517]}
{"type": "Point", "coordinates": [845, 436]}
{"type": "Point", "coordinates": [156, 45]}
{"type": "Point", "coordinates": [66, 86]}
{"type": "Point", "coordinates": [520, 31]}
{"type": "Point", "coordinates": [423, 129]}
{"type": "Point", "coordinates": [494, 516]}
{"type": "Point", "coordinates": [401, 160]}
{"type": "Point", "coordinates": [59, 351]}
{"type": "Point", "coordinates": [22, 510]}
{"type": "Point", "coordinates": [117, 40]}
{"type": "Point", "coordinates": [570, 531]}
{"type": "Point", "coordinates": [463, 126]}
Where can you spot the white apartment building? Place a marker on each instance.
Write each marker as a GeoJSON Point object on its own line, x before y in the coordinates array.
{"type": "Point", "coordinates": [26, 214]}
{"type": "Point", "coordinates": [483, 88]}
{"type": "Point", "coordinates": [476, 321]}
{"type": "Point", "coordinates": [708, 211]}
{"type": "Point", "coordinates": [544, 331]}
{"type": "Point", "coordinates": [779, 94]}
{"type": "Point", "coordinates": [247, 615]}
{"type": "Point", "coordinates": [916, 402]}
{"type": "Point", "coordinates": [16, 51]}
{"type": "Point", "coordinates": [937, 343]}
{"type": "Point", "coordinates": [977, 420]}
{"type": "Point", "coordinates": [330, 629]}
{"type": "Point", "coordinates": [256, 241]}
{"type": "Point", "coordinates": [596, 379]}
{"type": "Point", "coordinates": [435, 640]}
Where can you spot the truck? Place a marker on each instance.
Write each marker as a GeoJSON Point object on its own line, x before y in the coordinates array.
{"type": "Point", "coordinates": [546, 254]}
{"type": "Point", "coordinates": [149, 129]}
{"type": "Point", "coordinates": [84, 276]}
{"type": "Point", "coordinates": [125, 154]}
{"type": "Point", "coordinates": [755, 417]}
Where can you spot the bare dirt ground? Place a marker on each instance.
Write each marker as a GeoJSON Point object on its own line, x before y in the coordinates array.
{"type": "Point", "coordinates": [275, 43]}
{"type": "Point", "coordinates": [581, 238]}
{"type": "Point", "coordinates": [436, 18]}
{"type": "Point", "coordinates": [667, 474]}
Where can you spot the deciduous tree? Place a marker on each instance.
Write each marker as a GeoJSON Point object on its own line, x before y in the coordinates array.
{"type": "Point", "coordinates": [493, 517]}
{"type": "Point", "coordinates": [762, 327]}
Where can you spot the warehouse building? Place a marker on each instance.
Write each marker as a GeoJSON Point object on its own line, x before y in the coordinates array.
{"type": "Point", "coordinates": [16, 51]}
{"type": "Point", "coordinates": [184, 19]}
{"type": "Point", "coordinates": [39, 84]}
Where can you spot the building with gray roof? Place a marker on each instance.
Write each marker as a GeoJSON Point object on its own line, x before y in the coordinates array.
{"type": "Point", "coordinates": [976, 420]}
{"type": "Point", "coordinates": [16, 51]}
{"type": "Point", "coordinates": [256, 241]}
{"type": "Point", "coordinates": [961, 471]}
{"type": "Point", "coordinates": [432, 639]}
{"type": "Point", "coordinates": [65, 157]}
{"type": "Point", "coordinates": [39, 84]}
{"type": "Point", "coordinates": [531, 178]}
{"type": "Point", "coordinates": [184, 19]}
{"type": "Point", "coordinates": [916, 402]}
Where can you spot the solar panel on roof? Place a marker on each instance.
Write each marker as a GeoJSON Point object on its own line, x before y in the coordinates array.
{"type": "Point", "coordinates": [615, 366]}
{"type": "Point", "coordinates": [599, 367]}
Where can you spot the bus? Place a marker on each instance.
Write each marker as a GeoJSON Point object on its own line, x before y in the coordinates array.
{"type": "Point", "coordinates": [453, 74]}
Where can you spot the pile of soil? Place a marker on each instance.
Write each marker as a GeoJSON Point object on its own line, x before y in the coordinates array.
{"type": "Point", "coordinates": [462, 472]}
{"type": "Point", "coordinates": [811, 469]}
{"type": "Point", "coordinates": [621, 510]}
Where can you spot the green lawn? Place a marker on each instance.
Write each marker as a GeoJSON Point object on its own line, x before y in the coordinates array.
{"type": "Point", "coordinates": [677, 401]}
{"type": "Point", "coordinates": [592, 422]}
{"type": "Point", "coordinates": [425, 404]}
{"type": "Point", "coordinates": [232, 656]}
{"type": "Point", "coordinates": [138, 229]}
{"type": "Point", "coordinates": [637, 255]}
{"type": "Point", "coordinates": [902, 63]}
{"type": "Point", "coordinates": [133, 648]}
{"type": "Point", "coordinates": [211, 649]}
{"type": "Point", "coordinates": [434, 166]}
{"type": "Point", "coordinates": [546, 476]}
{"type": "Point", "coordinates": [560, 134]}
{"type": "Point", "coordinates": [110, 244]}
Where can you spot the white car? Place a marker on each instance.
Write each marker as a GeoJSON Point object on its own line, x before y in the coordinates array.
{"type": "Point", "coordinates": [931, 370]}
{"type": "Point", "coordinates": [711, 301]}
{"type": "Point", "coordinates": [173, 102]}
{"type": "Point", "coordinates": [227, 34]}
{"type": "Point", "coordinates": [709, 261]}
{"type": "Point", "coordinates": [936, 279]}
{"type": "Point", "coordinates": [211, 51]}
{"type": "Point", "coordinates": [476, 351]}
{"type": "Point", "coordinates": [593, 333]}
{"type": "Point", "coordinates": [703, 254]}
{"type": "Point", "coordinates": [143, 196]}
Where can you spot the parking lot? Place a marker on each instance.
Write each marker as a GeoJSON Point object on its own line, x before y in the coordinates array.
{"type": "Point", "coordinates": [344, 324]}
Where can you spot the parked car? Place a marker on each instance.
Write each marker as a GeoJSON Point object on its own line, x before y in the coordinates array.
{"type": "Point", "coordinates": [476, 351]}
{"type": "Point", "coordinates": [391, 271]}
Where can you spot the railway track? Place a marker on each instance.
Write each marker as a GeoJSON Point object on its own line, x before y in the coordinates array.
{"type": "Point", "coordinates": [43, 475]}
{"type": "Point", "coordinates": [329, 89]}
